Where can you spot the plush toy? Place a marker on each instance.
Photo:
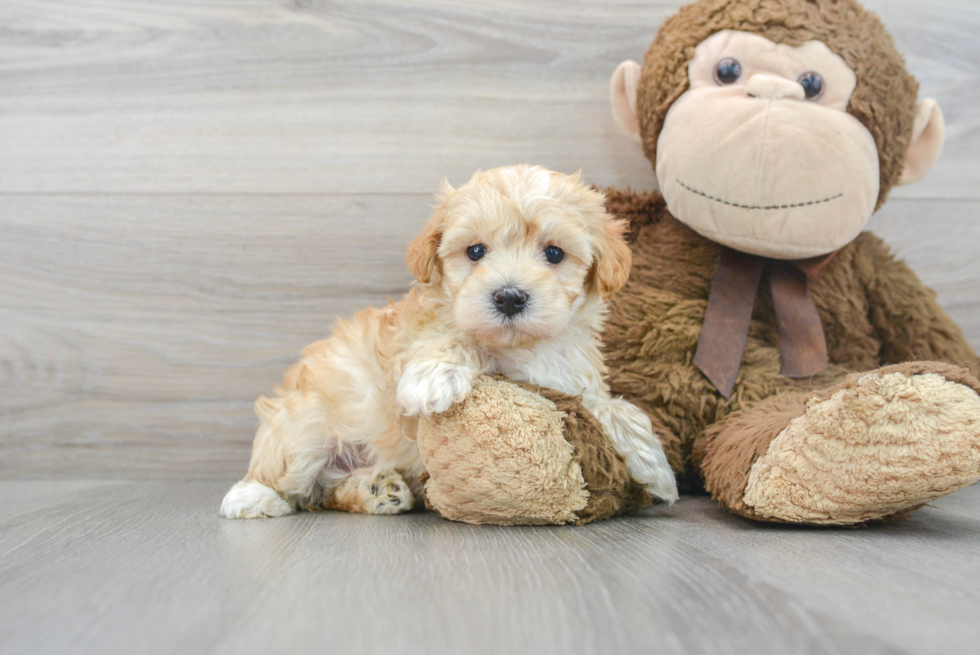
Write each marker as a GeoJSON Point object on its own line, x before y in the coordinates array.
{"type": "Point", "coordinates": [791, 366]}
{"type": "Point", "coordinates": [785, 357]}
{"type": "Point", "coordinates": [514, 453]}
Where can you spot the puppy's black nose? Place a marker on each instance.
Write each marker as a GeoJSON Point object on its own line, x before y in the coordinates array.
{"type": "Point", "coordinates": [510, 301]}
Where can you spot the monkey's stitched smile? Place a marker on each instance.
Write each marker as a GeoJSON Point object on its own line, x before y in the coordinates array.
{"type": "Point", "coordinates": [766, 207]}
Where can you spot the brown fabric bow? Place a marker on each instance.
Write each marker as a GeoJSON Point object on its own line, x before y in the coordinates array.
{"type": "Point", "coordinates": [802, 345]}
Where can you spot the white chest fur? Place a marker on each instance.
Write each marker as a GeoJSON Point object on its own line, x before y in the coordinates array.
{"type": "Point", "coordinates": [572, 364]}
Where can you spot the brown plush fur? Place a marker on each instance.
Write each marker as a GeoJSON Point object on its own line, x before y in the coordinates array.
{"type": "Point", "coordinates": [883, 101]}
{"type": "Point", "coordinates": [731, 446]}
{"type": "Point", "coordinates": [874, 311]}
{"type": "Point", "coordinates": [782, 449]}
{"type": "Point", "coordinates": [611, 490]}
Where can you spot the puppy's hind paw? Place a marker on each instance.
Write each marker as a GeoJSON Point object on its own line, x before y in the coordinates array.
{"type": "Point", "coordinates": [388, 494]}
{"type": "Point", "coordinates": [432, 387]}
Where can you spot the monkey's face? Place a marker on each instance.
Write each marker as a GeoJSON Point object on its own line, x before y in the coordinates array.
{"type": "Point", "coordinates": [760, 153]}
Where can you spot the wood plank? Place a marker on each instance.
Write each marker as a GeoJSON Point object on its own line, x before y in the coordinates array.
{"type": "Point", "coordinates": [136, 331]}
{"type": "Point", "coordinates": [149, 567]}
{"type": "Point", "coordinates": [380, 96]}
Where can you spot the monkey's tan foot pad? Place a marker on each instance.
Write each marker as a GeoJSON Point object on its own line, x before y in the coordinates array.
{"type": "Point", "coordinates": [877, 444]}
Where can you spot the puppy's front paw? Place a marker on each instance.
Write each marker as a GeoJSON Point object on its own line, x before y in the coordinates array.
{"type": "Point", "coordinates": [252, 500]}
{"type": "Point", "coordinates": [649, 467]}
{"type": "Point", "coordinates": [432, 387]}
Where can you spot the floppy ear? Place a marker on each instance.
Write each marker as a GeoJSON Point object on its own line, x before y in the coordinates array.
{"type": "Point", "coordinates": [613, 257]}
{"type": "Point", "coordinates": [421, 252]}
{"type": "Point", "coordinates": [622, 94]}
{"type": "Point", "coordinates": [927, 141]}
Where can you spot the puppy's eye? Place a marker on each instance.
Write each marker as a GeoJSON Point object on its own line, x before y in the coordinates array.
{"type": "Point", "coordinates": [476, 251]}
{"type": "Point", "coordinates": [727, 71]}
{"type": "Point", "coordinates": [812, 85]}
{"type": "Point", "coordinates": [554, 254]}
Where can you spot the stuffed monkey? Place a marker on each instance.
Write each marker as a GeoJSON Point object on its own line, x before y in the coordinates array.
{"type": "Point", "coordinates": [790, 365]}
{"type": "Point", "coordinates": [788, 361]}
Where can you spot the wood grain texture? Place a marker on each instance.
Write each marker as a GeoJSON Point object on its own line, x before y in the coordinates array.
{"type": "Point", "coordinates": [376, 96]}
{"type": "Point", "coordinates": [136, 331]}
{"type": "Point", "coordinates": [102, 567]}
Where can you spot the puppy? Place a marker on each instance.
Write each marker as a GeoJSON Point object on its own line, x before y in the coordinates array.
{"type": "Point", "coordinates": [513, 271]}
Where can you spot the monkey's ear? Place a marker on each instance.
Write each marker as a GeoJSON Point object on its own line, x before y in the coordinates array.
{"type": "Point", "coordinates": [927, 141]}
{"type": "Point", "coordinates": [622, 93]}
{"type": "Point", "coordinates": [421, 253]}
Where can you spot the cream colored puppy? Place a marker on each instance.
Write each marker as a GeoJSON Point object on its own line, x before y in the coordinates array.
{"type": "Point", "coordinates": [513, 270]}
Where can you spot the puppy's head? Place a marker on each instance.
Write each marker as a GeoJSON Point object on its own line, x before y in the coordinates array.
{"type": "Point", "coordinates": [520, 250]}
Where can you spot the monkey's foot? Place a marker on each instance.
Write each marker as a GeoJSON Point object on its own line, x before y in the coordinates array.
{"type": "Point", "coordinates": [877, 445]}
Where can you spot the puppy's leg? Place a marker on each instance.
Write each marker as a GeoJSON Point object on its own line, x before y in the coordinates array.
{"type": "Point", "coordinates": [438, 374]}
{"type": "Point", "coordinates": [373, 491]}
{"type": "Point", "coordinates": [249, 499]}
{"type": "Point", "coordinates": [631, 434]}
{"type": "Point", "coordinates": [292, 447]}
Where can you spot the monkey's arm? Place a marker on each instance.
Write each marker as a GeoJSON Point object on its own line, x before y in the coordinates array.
{"type": "Point", "coordinates": [907, 319]}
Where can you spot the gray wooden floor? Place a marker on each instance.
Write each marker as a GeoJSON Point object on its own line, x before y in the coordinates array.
{"type": "Point", "coordinates": [123, 567]}
{"type": "Point", "coordinates": [190, 192]}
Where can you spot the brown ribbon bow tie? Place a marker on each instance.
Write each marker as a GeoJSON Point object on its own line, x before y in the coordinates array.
{"type": "Point", "coordinates": [802, 345]}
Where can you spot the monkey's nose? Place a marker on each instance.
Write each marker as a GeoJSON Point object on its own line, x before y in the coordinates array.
{"type": "Point", "coordinates": [773, 87]}
{"type": "Point", "coordinates": [510, 301]}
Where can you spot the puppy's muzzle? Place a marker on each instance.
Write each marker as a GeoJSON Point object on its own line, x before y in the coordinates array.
{"type": "Point", "coordinates": [510, 301]}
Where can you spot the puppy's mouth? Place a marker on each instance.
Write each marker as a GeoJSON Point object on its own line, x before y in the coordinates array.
{"type": "Point", "coordinates": [516, 323]}
{"type": "Point", "coordinates": [510, 316]}
{"type": "Point", "coordinates": [795, 205]}
{"type": "Point", "coordinates": [519, 329]}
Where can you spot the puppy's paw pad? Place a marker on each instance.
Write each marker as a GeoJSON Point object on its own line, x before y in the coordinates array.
{"type": "Point", "coordinates": [388, 494]}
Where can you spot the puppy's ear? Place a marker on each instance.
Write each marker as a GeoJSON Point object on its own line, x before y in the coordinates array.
{"type": "Point", "coordinates": [613, 256]}
{"type": "Point", "coordinates": [421, 252]}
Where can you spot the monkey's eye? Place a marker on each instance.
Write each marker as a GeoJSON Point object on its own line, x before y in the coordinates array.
{"type": "Point", "coordinates": [554, 254]}
{"type": "Point", "coordinates": [728, 71]}
{"type": "Point", "coordinates": [812, 85]}
{"type": "Point", "coordinates": [476, 251]}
